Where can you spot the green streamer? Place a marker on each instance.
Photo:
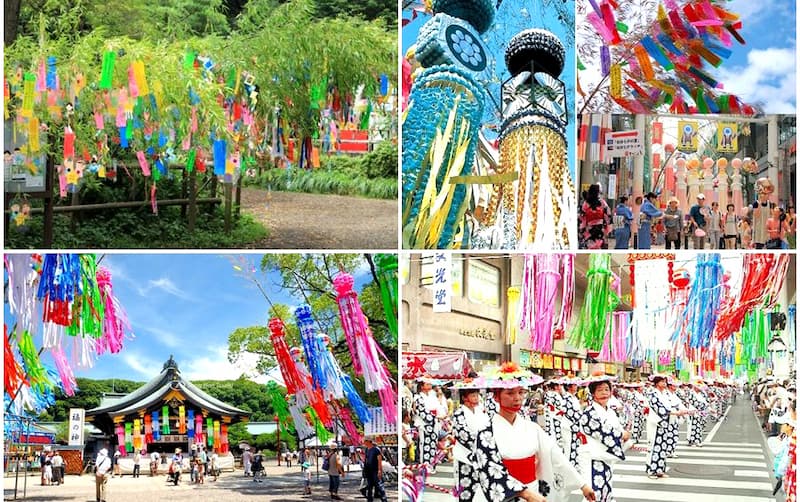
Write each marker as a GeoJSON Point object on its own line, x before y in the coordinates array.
{"type": "Point", "coordinates": [188, 59]}
{"type": "Point", "coordinates": [280, 406]}
{"type": "Point", "coordinates": [165, 420]}
{"type": "Point", "coordinates": [88, 308]}
{"type": "Point", "coordinates": [37, 374]}
{"type": "Point", "coordinates": [622, 27]}
{"type": "Point", "coordinates": [107, 72]}
{"type": "Point", "coordinates": [323, 436]}
{"type": "Point", "coordinates": [700, 100]}
{"type": "Point", "coordinates": [387, 279]}
{"type": "Point", "coordinates": [210, 431]}
{"type": "Point", "coordinates": [599, 302]}
{"type": "Point", "coordinates": [128, 432]}
{"type": "Point", "coordinates": [365, 117]}
{"type": "Point", "coordinates": [190, 160]}
{"type": "Point", "coordinates": [580, 65]}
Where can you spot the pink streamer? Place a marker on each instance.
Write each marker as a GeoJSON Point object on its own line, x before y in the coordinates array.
{"type": "Point", "coordinates": [133, 88]}
{"type": "Point", "coordinates": [143, 163]}
{"type": "Point", "coordinates": [567, 292]}
{"type": "Point", "coordinates": [526, 318]}
{"type": "Point", "coordinates": [120, 432]}
{"type": "Point", "coordinates": [350, 427]}
{"type": "Point", "coordinates": [350, 314]}
{"type": "Point", "coordinates": [98, 120]}
{"type": "Point", "coordinates": [621, 324]}
{"type": "Point", "coordinates": [115, 320]}
{"type": "Point", "coordinates": [153, 199]}
{"type": "Point", "coordinates": [601, 28]}
{"type": "Point", "coordinates": [64, 371]}
{"type": "Point", "coordinates": [547, 278]}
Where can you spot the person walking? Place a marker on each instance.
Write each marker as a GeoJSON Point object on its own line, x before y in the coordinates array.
{"type": "Point", "coordinates": [673, 222]}
{"type": "Point", "coordinates": [155, 457]}
{"type": "Point", "coordinates": [247, 461]}
{"type": "Point", "coordinates": [373, 471]}
{"type": "Point", "coordinates": [335, 471]}
{"type": "Point", "coordinates": [715, 226]}
{"type": "Point", "coordinates": [137, 459]}
{"type": "Point", "coordinates": [117, 469]}
{"type": "Point", "coordinates": [623, 216]}
{"type": "Point", "coordinates": [258, 467]}
{"type": "Point", "coordinates": [730, 226]}
{"type": "Point", "coordinates": [649, 213]}
{"type": "Point", "coordinates": [594, 219]}
{"type": "Point", "coordinates": [606, 439]}
{"type": "Point", "coordinates": [58, 468]}
{"type": "Point", "coordinates": [102, 466]}
{"type": "Point", "coordinates": [699, 215]}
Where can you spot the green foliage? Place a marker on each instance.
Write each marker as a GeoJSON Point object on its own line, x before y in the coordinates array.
{"type": "Point", "coordinates": [139, 228]}
{"type": "Point", "coordinates": [365, 9]}
{"type": "Point", "coordinates": [343, 179]}
{"type": "Point", "coordinates": [243, 394]}
{"type": "Point", "coordinates": [88, 396]}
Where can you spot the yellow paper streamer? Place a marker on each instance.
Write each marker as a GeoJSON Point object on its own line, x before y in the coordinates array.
{"type": "Point", "coordinates": [138, 75]}
{"type": "Point", "coordinates": [33, 134]}
{"type": "Point", "coordinates": [616, 80]}
{"type": "Point", "coordinates": [512, 326]}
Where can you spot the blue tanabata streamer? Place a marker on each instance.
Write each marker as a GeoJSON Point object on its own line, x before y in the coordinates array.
{"type": "Point", "coordinates": [51, 73]}
{"type": "Point", "coordinates": [60, 278]}
{"type": "Point", "coordinates": [190, 425]}
{"type": "Point", "coordinates": [123, 138]}
{"type": "Point", "coordinates": [305, 323]}
{"type": "Point", "coordinates": [220, 147]}
{"type": "Point", "coordinates": [702, 307]}
{"type": "Point", "coordinates": [358, 405]}
{"type": "Point", "coordinates": [329, 368]}
{"type": "Point", "coordinates": [156, 428]}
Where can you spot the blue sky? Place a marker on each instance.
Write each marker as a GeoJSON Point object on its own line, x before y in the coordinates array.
{"type": "Point", "coordinates": [512, 17]}
{"type": "Point", "coordinates": [185, 305]}
{"type": "Point", "coordinates": [764, 70]}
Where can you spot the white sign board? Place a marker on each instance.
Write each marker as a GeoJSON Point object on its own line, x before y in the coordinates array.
{"type": "Point", "coordinates": [77, 417]}
{"type": "Point", "coordinates": [624, 143]}
{"type": "Point", "coordinates": [378, 425]}
{"type": "Point", "coordinates": [442, 290]}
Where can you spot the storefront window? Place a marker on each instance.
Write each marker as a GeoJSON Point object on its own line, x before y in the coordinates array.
{"type": "Point", "coordinates": [484, 283]}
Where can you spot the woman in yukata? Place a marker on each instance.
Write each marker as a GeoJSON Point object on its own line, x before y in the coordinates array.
{"type": "Point", "coordinates": [658, 428]}
{"type": "Point", "coordinates": [467, 420]}
{"type": "Point", "coordinates": [606, 440]}
{"type": "Point", "coordinates": [514, 457]}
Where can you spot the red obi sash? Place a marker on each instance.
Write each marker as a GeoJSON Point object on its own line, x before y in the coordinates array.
{"type": "Point", "coordinates": [523, 469]}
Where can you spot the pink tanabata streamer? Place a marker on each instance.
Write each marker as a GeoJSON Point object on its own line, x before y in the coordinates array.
{"type": "Point", "coordinates": [115, 322]}
{"type": "Point", "coordinates": [567, 292]}
{"type": "Point", "coordinates": [350, 314]}
{"type": "Point", "coordinates": [349, 426]}
{"type": "Point", "coordinates": [64, 371]}
{"type": "Point", "coordinates": [547, 279]}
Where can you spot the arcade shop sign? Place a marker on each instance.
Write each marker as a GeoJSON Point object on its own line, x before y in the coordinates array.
{"type": "Point", "coordinates": [483, 333]}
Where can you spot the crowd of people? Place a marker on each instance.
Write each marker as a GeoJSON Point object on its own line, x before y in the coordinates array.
{"type": "Point", "coordinates": [588, 425]}
{"type": "Point", "coordinates": [763, 225]}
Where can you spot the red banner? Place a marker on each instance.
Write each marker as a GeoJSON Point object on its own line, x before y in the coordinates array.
{"type": "Point", "coordinates": [658, 133]}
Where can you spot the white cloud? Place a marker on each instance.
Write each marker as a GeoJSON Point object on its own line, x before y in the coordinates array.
{"type": "Point", "coordinates": [166, 337]}
{"type": "Point", "coordinates": [768, 80]}
{"type": "Point", "coordinates": [216, 366]}
{"type": "Point", "coordinates": [145, 366]}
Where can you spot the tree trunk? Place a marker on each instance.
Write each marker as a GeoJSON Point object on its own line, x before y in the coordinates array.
{"type": "Point", "coordinates": [11, 22]}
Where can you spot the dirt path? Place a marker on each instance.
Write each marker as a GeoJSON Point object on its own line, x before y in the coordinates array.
{"type": "Point", "coordinates": [316, 221]}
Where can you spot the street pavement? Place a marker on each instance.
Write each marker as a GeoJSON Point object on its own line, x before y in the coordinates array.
{"type": "Point", "coordinates": [734, 464]}
{"type": "Point", "coordinates": [280, 483]}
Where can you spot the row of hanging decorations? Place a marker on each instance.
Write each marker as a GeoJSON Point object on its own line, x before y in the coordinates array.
{"type": "Point", "coordinates": [62, 305]}
{"type": "Point", "coordinates": [675, 318]}
{"type": "Point", "coordinates": [128, 108]}
{"type": "Point", "coordinates": [317, 389]}
{"type": "Point", "coordinates": [135, 435]}
{"type": "Point", "coordinates": [663, 65]}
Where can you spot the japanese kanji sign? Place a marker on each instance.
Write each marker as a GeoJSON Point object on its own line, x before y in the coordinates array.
{"type": "Point", "coordinates": [442, 289]}
{"type": "Point", "coordinates": [76, 421]}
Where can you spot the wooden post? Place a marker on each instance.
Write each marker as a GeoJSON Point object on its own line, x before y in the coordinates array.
{"type": "Point", "coordinates": [238, 195]}
{"type": "Point", "coordinates": [192, 200]}
{"type": "Point", "coordinates": [49, 174]}
{"type": "Point", "coordinates": [213, 189]}
{"type": "Point", "coordinates": [228, 189]}
{"type": "Point", "coordinates": [184, 192]}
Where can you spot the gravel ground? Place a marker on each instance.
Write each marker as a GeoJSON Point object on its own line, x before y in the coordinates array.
{"type": "Point", "coordinates": [281, 483]}
{"type": "Point", "coordinates": [317, 221]}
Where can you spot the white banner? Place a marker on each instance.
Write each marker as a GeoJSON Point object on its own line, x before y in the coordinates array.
{"type": "Point", "coordinates": [624, 143]}
{"type": "Point", "coordinates": [77, 417]}
{"type": "Point", "coordinates": [442, 288]}
{"type": "Point", "coordinates": [377, 424]}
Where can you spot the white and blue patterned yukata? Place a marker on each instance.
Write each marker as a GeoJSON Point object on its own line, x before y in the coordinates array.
{"type": "Point", "coordinates": [604, 447]}
{"type": "Point", "coordinates": [466, 424]}
{"type": "Point", "coordinates": [555, 476]}
{"type": "Point", "coordinates": [658, 433]}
